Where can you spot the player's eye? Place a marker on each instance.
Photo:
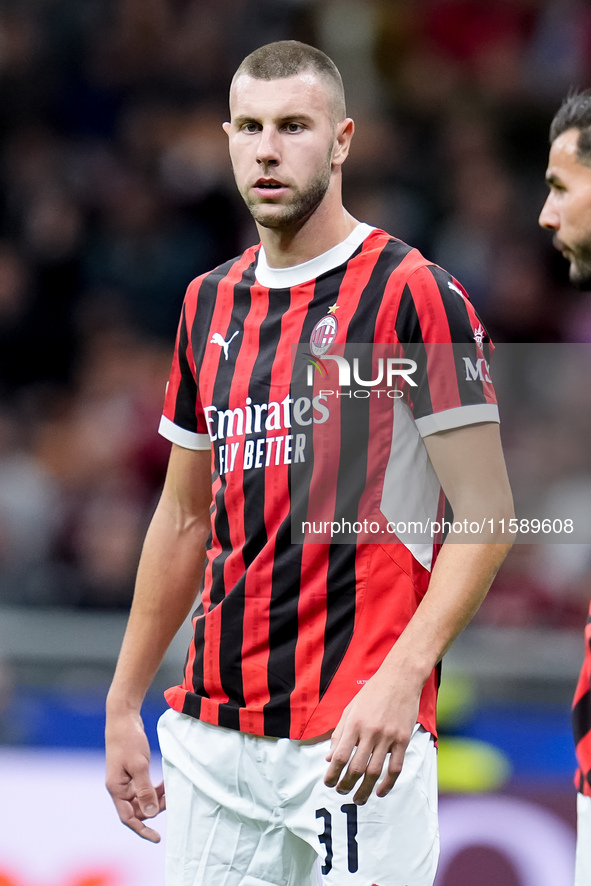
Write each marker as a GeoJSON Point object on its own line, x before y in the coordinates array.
{"type": "Point", "coordinates": [250, 127]}
{"type": "Point", "coordinates": [556, 187]}
{"type": "Point", "coordinates": [293, 127]}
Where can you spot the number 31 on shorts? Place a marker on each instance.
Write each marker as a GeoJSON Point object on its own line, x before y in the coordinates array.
{"type": "Point", "coordinates": [349, 825]}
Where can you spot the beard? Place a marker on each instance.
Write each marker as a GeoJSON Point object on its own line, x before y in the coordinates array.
{"type": "Point", "coordinates": [579, 256]}
{"type": "Point", "coordinates": [301, 207]}
{"type": "Point", "coordinates": [580, 269]}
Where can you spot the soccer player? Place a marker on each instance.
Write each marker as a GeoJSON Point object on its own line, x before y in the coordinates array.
{"type": "Point", "coordinates": [299, 747]}
{"type": "Point", "coordinates": [567, 213]}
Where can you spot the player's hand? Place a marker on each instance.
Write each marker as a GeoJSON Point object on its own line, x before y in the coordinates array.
{"type": "Point", "coordinates": [128, 776]}
{"type": "Point", "coordinates": [377, 724]}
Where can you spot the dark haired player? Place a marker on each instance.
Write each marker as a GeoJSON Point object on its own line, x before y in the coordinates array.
{"type": "Point", "coordinates": [299, 747]}
{"type": "Point", "coordinates": [567, 212]}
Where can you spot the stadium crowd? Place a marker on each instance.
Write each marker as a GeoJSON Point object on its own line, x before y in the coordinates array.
{"type": "Point", "coordinates": [116, 190]}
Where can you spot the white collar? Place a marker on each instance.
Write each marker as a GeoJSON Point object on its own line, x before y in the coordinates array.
{"type": "Point", "coordinates": [285, 278]}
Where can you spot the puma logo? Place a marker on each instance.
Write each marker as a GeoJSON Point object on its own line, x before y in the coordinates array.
{"type": "Point", "coordinates": [218, 339]}
{"type": "Point", "coordinates": [455, 288]}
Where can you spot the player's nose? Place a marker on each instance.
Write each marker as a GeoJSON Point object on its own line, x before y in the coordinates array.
{"type": "Point", "coordinates": [548, 217]}
{"type": "Point", "coordinates": [268, 146]}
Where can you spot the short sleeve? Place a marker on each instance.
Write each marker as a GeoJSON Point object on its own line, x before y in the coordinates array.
{"type": "Point", "coordinates": [183, 421]}
{"type": "Point", "coordinates": [441, 332]}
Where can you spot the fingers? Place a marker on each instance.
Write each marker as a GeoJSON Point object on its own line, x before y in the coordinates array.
{"type": "Point", "coordinates": [346, 771]}
{"type": "Point", "coordinates": [335, 740]}
{"type": "Point", "coordinates": [348, 764]}
{"type": "Point", "coordinates": [147, 798]}
{"type": "Point", "coordinates": [364, 759]}
{"type": "Point", "coordinates": [136, 799]}
{"type": "Point", "coordinates": [128, 774]}
{"type": "Point", "coordinates": [133, 818]}
{"type": "Point", "coordinates": [395, 762]}
{"type": "Point", "coordinates": [131, 814]}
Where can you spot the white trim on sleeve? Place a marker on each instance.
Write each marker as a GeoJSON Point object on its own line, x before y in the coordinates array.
{"type": "Point", "coordinates": [457, 418]}
{"type": "Point", "coordinates": [182, 437]}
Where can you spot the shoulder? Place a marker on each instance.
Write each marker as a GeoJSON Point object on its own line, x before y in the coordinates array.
{"type": "Point", "coordinates": [409, 268]}
{"type": "Point", "coordinates": [437, 304]}
{"type": "Point", "coordinates": [391, 253]}
{"type": "Point", "coordinates": [401, 264]}
{"type": "Point", "coordinates": [429, 302]}
{"type": "Point", "coordinates": [408, 263]}
{"type": "Point", "coordinates": [429, 282]}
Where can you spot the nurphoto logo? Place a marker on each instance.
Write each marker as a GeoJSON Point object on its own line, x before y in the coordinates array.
{"type": "Point", "coordinates": [389, 370]}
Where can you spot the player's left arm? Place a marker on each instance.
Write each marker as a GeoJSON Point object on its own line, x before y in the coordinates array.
{"type": "Point", "coordinates": [380, 719]}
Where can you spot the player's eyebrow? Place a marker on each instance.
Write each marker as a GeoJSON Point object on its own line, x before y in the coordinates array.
{"type": "Point", "coordinates": [244, 118]}
{"type": "Point", "coordinates": [300, 116]}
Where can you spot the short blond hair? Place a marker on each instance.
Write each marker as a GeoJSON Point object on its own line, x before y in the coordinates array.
{"type": "Point", "coordinates": [286, 58]}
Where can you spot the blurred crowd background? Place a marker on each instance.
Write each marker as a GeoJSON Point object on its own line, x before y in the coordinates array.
{"type": "Point", "coordinates": [116, 190]}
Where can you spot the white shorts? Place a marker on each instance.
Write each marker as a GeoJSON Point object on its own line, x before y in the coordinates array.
{"type": "Point", "coordinates": [250, 811]}
{"type": "Point", "coordinates": [583, 855]}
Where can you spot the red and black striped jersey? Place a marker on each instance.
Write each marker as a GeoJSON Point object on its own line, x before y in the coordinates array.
{"type": "Point", "coordinates": [582, 718]}
{"type": "Point", "coordinates": [288, 630]}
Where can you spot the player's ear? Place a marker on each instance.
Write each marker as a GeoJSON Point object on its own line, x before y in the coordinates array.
{"type": "Point", "coordinates": [343, 135]}
{"type": "Point", "coordinates": [227, 127]}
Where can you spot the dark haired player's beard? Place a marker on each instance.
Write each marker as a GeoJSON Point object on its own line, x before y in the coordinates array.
{"type": "Point", "coordinates": [301, 207]}
{"type": "Point", "coordinates": [580, 268]}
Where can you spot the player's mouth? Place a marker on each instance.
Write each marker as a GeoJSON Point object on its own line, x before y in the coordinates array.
{"type": "Point", "coordinates": [561, 247]}
{"type": "Point", "coordinates": [269, 187]}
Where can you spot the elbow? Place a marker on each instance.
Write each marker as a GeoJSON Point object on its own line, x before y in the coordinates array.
{"type": "Point", "coordinates": [488, 518]}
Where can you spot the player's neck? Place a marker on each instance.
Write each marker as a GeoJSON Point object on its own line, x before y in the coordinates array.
{"type": "Point", "coordinates": [324, 229]}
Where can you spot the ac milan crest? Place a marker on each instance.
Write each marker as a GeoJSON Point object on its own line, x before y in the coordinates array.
{"type": "Point", "coordinates": [323, 335]}
{"type": "Point", "coordinates": [479, 335]}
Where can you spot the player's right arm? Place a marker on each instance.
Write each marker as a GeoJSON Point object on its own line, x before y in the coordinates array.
{"type": "Point", "coordinates": [171, 566]}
